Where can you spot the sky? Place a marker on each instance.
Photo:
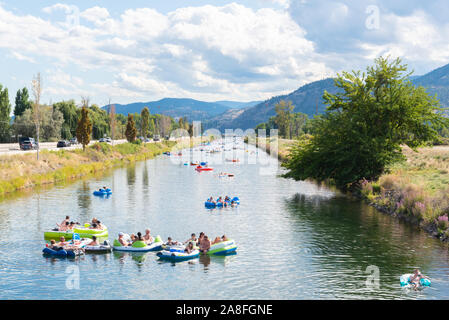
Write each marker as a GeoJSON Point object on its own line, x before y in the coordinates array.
{"type": "Point", "coordinates": [138, 51]}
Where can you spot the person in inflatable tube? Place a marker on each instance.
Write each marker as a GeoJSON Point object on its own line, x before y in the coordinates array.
{"type": "Point", "coordinates": [189, 248]}
{"type": "Point", "coordinates": [122, 241]}
{"type": "Point", "coordinates": [205, 244]}
{"type": "Point", "coordinates": [62, 244]}
{"type": "Point", "coordinates": [415, 278]}
{"type": "Point", "coordinates": [192, 239]}
{"type": "Point", "coordinates": [218, 239]}
{"type": "Point", "coordinates": [170, 242]}
{"type": "Point", "coordinates": [63, 224]}
{"type": "Point", "coordinates": [147, 237]}
{"type": "Point", "coordinates": [94, 242]}
{"type": "Point", "coordinates": [139, 237]}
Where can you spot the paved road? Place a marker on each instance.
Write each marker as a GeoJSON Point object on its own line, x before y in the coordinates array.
{"type": "Point", "coordinates": [13, 148]}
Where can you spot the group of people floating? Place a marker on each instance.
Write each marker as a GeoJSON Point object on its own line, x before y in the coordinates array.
{"type": "Point", "coordinates": [147, 238]}
{"type": "Point", "coordinates": [67, 225]}
{"type": "Point", "coordinates": [203, 243]}
{"type": "Point", "coordinates": [224, 201]}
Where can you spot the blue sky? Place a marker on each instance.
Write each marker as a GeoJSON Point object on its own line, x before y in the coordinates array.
{"type": "Point", "coordinates": [140, 50]}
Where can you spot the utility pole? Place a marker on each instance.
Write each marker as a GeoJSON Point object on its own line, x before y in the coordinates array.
{"type": "Point", "coordinates": [37, 90]}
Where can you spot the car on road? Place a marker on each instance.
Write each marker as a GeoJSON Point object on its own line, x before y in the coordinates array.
{"type": "Point", "coordinates": [27, 143]}
{"type": "Point", "coordinates": [108, 140]}
{"type": "Point", "coordinates": [73, 141]}
{"type": "Point", "coordinates": [157, 138]}
{"type": "Point", "coordinates": [102, 140]}
{"type": "Point", "coordinates": [63, 144]}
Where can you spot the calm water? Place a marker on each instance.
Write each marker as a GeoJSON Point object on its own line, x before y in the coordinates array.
{"type": "Point", "coordinates": [295, 240]}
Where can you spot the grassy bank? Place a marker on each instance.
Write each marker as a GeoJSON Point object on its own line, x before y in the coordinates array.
{"type": "Point", "coordinates": [416, 190]}
{"type": "Point", "coordinates": [19, 172]}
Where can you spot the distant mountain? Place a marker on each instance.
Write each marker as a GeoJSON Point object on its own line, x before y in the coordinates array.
{"type": "Point", "coordinates": [194, 110]}
{"type": "Point", "coordinates": [436, 82]}
{"type": "Point", "coordinates": [238, 105]}
{"type": "Point", "coordinates": [223, 120]}
{"type": "Point", "coordinates": [307, 99]}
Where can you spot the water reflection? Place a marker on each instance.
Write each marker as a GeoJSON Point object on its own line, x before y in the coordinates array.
{"type": "Point", "coordinates": [131, 175]}
{"type": "Point", "coordinates": [85, 199]}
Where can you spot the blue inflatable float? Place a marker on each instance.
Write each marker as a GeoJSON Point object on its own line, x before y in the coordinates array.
{"type": "Point", "coordinates": [102, 192]}
{"type": "Point", "coordinates": [59, 253]}
{"type": "Point", "coordinates": [405, 281]}
{"type": "Point", "coordinates": [212, 205]}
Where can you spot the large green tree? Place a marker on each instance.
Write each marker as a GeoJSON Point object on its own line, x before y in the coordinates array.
{"type": "Point", "coordinates": [5, 119]}
{"type": "Point", "coordinates": [23, 102]}
{"type": "Point", "coordinates": [364, 126]}
{"type": "Point", "coordinates": [84, 128]}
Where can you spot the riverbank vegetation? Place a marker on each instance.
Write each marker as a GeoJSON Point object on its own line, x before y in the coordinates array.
{"type": "Point", "coordinates": [25, 171]}
{"type": "Point", "coordinates": [59, 120]}
{"type": "Point", "coordinates": [375, 141]}
{"type": "Point", "coordinates": [416, 189]}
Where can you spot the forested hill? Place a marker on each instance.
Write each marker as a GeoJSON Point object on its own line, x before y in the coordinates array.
{"type": "Point", "coordinates": [436, 82]}
{"type": "Point", "coordinates": [194, 110]}
{"type": "Point", "coordinates": [307, 99]}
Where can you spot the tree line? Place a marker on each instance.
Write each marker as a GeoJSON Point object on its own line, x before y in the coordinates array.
{"type": "Point", "coordinates": [60, 120]}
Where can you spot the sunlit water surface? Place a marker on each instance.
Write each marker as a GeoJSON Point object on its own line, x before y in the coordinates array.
{"type": "Point", "coordinates": [295, 239]}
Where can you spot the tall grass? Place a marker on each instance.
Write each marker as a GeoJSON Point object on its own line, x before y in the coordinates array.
{"type": "Point", "coordinates": [417, 188]}
{"type": "Point", "coordinates": [24, 171]}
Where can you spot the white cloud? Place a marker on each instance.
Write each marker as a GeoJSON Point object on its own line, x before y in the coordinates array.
{"type": "Point", "coordinates": [214, 52]}
{"type": "Point", "coordinates": [95, 14]}
{"type": "Point", "coordinates": [219, 52]}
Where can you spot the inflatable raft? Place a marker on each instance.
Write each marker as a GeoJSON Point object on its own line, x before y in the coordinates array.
{"type": "Point", "coordinates": [64, 253]}
{"type": "Point", "coordinates": [177, 255]}
{"type": "Point", "coordinates": [88, 233]}
{"type": "Point", "coordinates": [222, 248]}
{"type": "Point", "coordinates": [212, 205]}
{"type": "Point", "coordinates": [201, 169]}
{"type": "Point", "coordinates": [83, 233]}
{"type": "Point", "coordinates": [102, 248]}
{"type": "Point", "coordinates": [405, 281]}
{"type": "Point", "coordinates": [139, 246]}
{"type": "Point", "coordinates": [102, 192]}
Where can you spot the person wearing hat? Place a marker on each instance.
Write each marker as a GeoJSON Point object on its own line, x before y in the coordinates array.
{"type": "Point", "coordinates": [122, 241]}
